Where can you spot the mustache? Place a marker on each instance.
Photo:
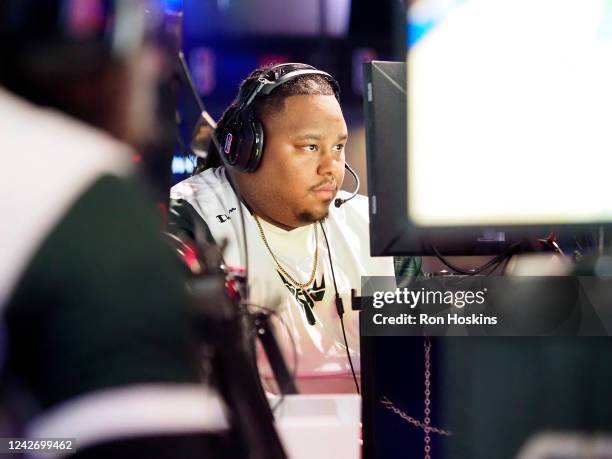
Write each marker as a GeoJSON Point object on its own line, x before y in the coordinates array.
{"type": "Point", "coordinates": [324, 183]}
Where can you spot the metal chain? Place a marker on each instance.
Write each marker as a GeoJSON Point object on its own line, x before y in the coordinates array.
{"type": "Point", "coordinates": [427, 409]}
{"type": "Point", "coordinates": [281, 269]}
{"type": "Point", "coordinates": [391, 406]}
{"type": "Point", "coordinates": [426, 423]}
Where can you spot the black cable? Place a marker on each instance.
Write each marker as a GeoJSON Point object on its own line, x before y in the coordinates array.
{"type": "Point", "coordinates": [293, 346]}
{"type": "Point", "coordinates": [504, 257]}
{"type": "Point", "coordinates": [340, 308]}
{"type": "Point", "coordinates": [180, 142]}
{"type": "Point", "coordinates": [495, 266]}
{"type": "Point", "coordinates": [349, 356]}
{"type": "Point", "coordinates": [244, 302]}
{"type": "Point", "coordinates": [244, 245]}
{"type": "Point", "coordinates": [217, 144]}
{"type": "Point", "coordinates": [505, 267]}
{"type": "Point", "coordinates": [459, 270]}
{"type": "Point", "coordinates": [189, 80]}
{"type": "Point", "coordinates": [495, 261]}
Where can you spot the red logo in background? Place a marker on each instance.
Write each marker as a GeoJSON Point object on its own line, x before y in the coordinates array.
{"type": "Point", "coordinates": [228, 144]}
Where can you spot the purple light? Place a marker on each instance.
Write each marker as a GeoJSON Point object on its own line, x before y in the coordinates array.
{"type": "Point", "coordinates": [173, 5]}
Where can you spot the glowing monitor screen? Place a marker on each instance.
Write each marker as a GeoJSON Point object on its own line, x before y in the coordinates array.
{"type": "Point", "coordinates": [509, 112]}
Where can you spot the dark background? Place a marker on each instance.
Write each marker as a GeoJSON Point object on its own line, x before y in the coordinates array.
{"type": "Point", "coordinates": [224, 40]}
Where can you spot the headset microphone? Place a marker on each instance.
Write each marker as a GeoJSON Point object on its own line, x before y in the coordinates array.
{"type": "Point", "coordinates": [338, 201]}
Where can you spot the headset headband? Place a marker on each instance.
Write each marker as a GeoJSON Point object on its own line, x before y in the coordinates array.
{"type": "Point", "coordinates": [266, 86]}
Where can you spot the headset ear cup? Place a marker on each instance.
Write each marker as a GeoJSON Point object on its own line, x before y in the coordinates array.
{"type": "Point", "coordinates": [247, 143]}
{"type": "Point", "coordinates": [257, 145]}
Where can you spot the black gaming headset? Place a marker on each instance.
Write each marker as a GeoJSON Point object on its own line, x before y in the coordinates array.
{"type": "Point", "coordinates": [241, 138]}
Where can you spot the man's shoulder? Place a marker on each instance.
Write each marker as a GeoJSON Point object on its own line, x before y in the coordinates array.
{"type": "Point", "coordinates": [206, 195]}
{"type": "Point", "coordinates": [208, 181]}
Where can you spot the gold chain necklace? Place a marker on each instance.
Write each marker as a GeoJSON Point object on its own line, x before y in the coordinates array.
{"type": "Point", "coordinates": [283, 270]}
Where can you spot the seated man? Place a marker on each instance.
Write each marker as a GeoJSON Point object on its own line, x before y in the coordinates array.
{"type": "Point", "coordinates": [283, 162]}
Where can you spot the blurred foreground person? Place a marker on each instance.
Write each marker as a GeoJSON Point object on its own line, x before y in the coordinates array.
{"type": "Point", "coordinates": [96, 329]}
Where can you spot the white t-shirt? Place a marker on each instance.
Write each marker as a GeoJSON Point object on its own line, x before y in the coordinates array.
{"type": "Point", "coordinates": [320, 346]}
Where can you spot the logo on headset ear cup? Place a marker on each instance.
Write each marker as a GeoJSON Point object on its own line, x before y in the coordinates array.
{"type": "Point", "coordinates": [242, 145]}
{"type": "Point", "coordinates": [228, 143]}
{"type": "Point", "coordinates": [230, 138]}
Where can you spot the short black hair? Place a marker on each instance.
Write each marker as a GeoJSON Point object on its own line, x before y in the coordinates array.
{"type": "Point", "coordinates": [304, 85]}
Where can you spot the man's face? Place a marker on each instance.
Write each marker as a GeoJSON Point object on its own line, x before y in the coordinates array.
{"type": "Point", "coordinates": [302, 166]}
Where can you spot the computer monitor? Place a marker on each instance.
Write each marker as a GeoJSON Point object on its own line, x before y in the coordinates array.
{"type": "Point", "coordinates": [505, 135]}
{"type": "Point", "coordinates": [509, 110]}
{"type": "Point", "coordinates": [392, 232]}
{"type": "Point", "coordinates": [470, 216]}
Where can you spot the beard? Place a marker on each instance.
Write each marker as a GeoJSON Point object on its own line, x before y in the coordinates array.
{"type": "Point", "coordinates": [312, 217]}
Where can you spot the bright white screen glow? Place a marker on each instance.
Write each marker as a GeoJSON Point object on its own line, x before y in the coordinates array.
{"type": "Point", "coordinates": [510, 112]}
